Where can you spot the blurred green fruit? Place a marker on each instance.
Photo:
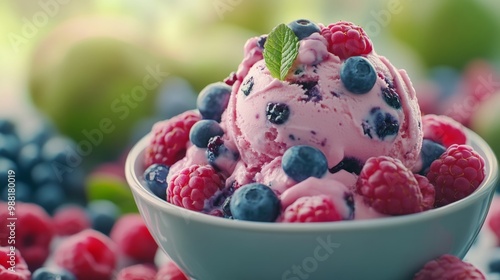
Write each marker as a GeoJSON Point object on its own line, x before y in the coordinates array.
{"type": "Point", "coordinates": [112, 188]}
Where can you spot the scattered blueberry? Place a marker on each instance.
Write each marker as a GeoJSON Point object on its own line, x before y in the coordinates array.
{"type": "Point", "coordinates": [349, 164]}
{"type": "Point", "coordinates": [430, 151]}
{"type": "Point", "coordinates": [48, 273]}
{"type": "Point", "coordinates": [447, 80]}
{"type": "Point", "coordinates": [7, 165]}
{"type": "Point", "coordinates": [262, 41]}
{"type": "Point", "coordinates": [213, 100]}
{"type": "Point", "coordinates": [247, 86]}
{"type": "Point", "coordinates": [255, 202]}
{"type": "Point", "coordinates": [9, 146]}
{"type": "Point", "coordinates": [49, 196]}
{"type": "Point", "coordinates": [303, 28]}
{"type": "Point", "coordinates": [103, 214]}
{"type": "Point", "coordinates": [175, 96]}
{"type": "Point", "coordinates": [22, 192]}
{"type": "Point", "coordinates": [218, 155]}
{"type": "Point", "coordinates": [381, 123]}
{"type": "Point", "coordinates": [357, 75]}
{"type": "Point", "coordinates": [60, 149]}
{"type": "Point", "coordinates": [43, 173]}
{"type": "Point", "coordinates": [35, 129]}
{"type": "Point", "coordinates": [301, 162]}
{"type": "Point", "coordinates": [6, 126]}
{"type": "Point", "coordinates": [156, 179]}
{"type": "Point", "coordinates": [277, 113]}
{"type": "Point", "coordinates": [28, 156]}
{"type": "Point", "coordinates": [391, 97]}
{"type": "Point", "coordinates": [312, 91]}
{"type": "Point", "coordinates": [202, 131]}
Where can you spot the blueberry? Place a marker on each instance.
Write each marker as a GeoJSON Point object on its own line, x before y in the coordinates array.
{"type": "Point", "coordinates": [277, 113]}
{"type": "Point", "coordinates": [175, 96]}
{"type": "Point", "coordinates": [28, 156]}
{"type": "Point", "coordinates": [43, 173]}
{"type": "Point", "coordinates": [213, 100]}
{"type": "Point", "coordinates": [6, 126]}
{"type": "Point", "coordinates": [36, 129]}
{"type": "Point", "coordinates": [156, 179]}
{"type": "Point", "coordinates": [9, 146]}
{"type": "Point", "coordinates": [349, 164]}
{"type": "Point", "coordinates": [262, 41]}
{"type": "Point", "coordinates": [255, 202]}
{"type": "Point", "coordinates": [247, 86]}
{"type": "Point", "coordinates": [22, 192]}
{"type": "Point", "coordinates": [202, 131]}
{"type": "Point", "coordinates": [303, 28]}
{"type": "Point", "coordinates": [103, 215]}
{"type": "Point", "coordinates": [312, 91]}
{"type": "Point", "coordinates": [51, 273]}
{"type": "Point", "coordinates": [49, 196]}
{"type": "Point", "coordinates": [358, 75]}
{"type": "Point", "coordinates": [301, 162]}
{"type": "Point", "coordinates": [494, 262]}
{"type": "Point", "coordinates": [380, 123]}
{"type": "Point", "coordinates": [7, 167]}
{"type": "Point", "coordinates": [430, 151]}
{"type": "Point", "coordinates": [60, 149]}
{"type": "Point", "coordinates": [218, 155]}
{"type": "Point", "coordinates": [391, 97]}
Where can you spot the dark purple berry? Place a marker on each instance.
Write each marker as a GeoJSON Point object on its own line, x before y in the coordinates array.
{"type": "Point", "coordinates": [213, 100]}
{"type": "Point", "coordinates": [218, 154]}
{"type": "Point", "coordinates": [303, 28]}
{"type": "Point", "coordinates": [247, 86]}
{"type": "Point", "coordinates": [312, 91]}
{"type": "Point", "coordinates": [262, 41]}
{"type": "Point", "coordinates": [391, 97]}
{"type": "Point", "coordinates": [349, 164]}
{"type": "Point", "coordinates": [301, 162]}
{"type": "Point", "coordinates": [202, 131]}
{"type": "Point", "coordinates": [358, 75]}
{"type": "Point", "coordinates": [430, 151]}
{"type": "Point", "coordinates": [380, 124]}
{"type": "Point", "coordinates": [156, 179]}
{"type": "Point", "coordinates": [6, 126]}
{"type": "Point", "coordinates": [277, 113]}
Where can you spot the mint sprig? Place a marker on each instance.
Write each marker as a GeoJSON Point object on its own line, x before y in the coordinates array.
{"type": "Point", "coordinates": [280, 50]}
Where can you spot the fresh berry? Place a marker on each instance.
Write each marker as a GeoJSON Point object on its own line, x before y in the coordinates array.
{"type": "Point", "coordinates": [6, 166]}
{"type": "Point", "coordinates": [133, 239]}
{"type": "Point", "coordinates": [103, 215]}
{"type": "Point", "coordinates": [137, 272]}
{"type": "Point", "coordinates": [277, 113]}
{"type": "Point", "coordinates": [22, 190]}
{"type": "Point", "coordinates": [231, 79]}
{"type": "Point", "coordinates": [430, 152]}
{"type": "Point", "coordinates": [70, 219]}
{"type": "Point", "coordinates": [7, 126]}
{"type": "Point", "coordinates": [428, 192]}
{"type": "Point", "coordinates": [193, 186]}
{"type": "Point", "coordinates": [219, 156]}
{"type": "Point", "coordinates": [50, 196]}
{"type": "Point", "coordinates": [358, 75]}
{"type": "Point", "coordinates": [156, 179]}
{"type": "Point", "coordinates": [175, 96]}
{"type": "Point", "coordinates": [310, 209]}
{"type": "Point", "coordinates": [202, 131]}
{"type": "Point", "coordinates": [381, 124]}
{"type": "Point", "coordinates": [247, 86]}
{"type": "Point", "coordinates": [346, 39]}
{"type": "Point", "coordinates": [456, 173]}
{"type": "Point", "coordinates": [88, 255]}
{"type": "Point", "coordinates": [33, 232]}
{"type": "Point", "coordinates": [212, 100]}
{"type": "Point", "coordinates": [52, 273]}
{"type": "Point", "coordinates": [9, 146]}
{"type": "Point", "coordinates": [389, 187]}
{"type": "Point", "coordinates": [255, 202]}
{"type": "Point", "coordinates": [28, 156]}
{"type": "Point", "coordinates": [303, 28]}
{"type": "Point", "coordinates": [12, 264]}
{"type": "Point", "coordinates": [169, 139]}
{"type": "Point", "coordinates": [43, 173]}
{"type": "Point", "coordinates": [493, 218]}
{"type": "Point", "coordinates": [301, 162]}
{"type": "Point", "coordinates": [443, 130]}
{"type": "Point", "coordinates": [448, 267]}
{"type": "Point", "coordinates": [170, 271]}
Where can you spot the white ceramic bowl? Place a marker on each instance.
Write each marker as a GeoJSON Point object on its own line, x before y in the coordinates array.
{"type": "Point", "coordinates": [212, 248]}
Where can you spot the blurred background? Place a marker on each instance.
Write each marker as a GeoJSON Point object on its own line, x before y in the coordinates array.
{"type": "Point", "coordinates": [81, 81]}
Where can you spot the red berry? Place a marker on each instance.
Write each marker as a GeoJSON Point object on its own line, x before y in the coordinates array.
{"type": "Point", "coordinates": [133, 238]}
{"type": "Point", "coordinates": [309, 209]}
{"type": "Point", "coordinates": [169, 139]}
{"type": "Point", "coordinates": [443, 130]}
{"type": "Point", "coordinates": [448, 267]}
{"type": "Point", "coordinates": [33, 232]}
{"type": "Point", "coordinates": [12, 265]}
{"type": "Point", "coordinates": [346, 39]}
{"type": "Point", "coordinates": [70, 220]}
{"type": "Point", "coordinates": [88, 255]}
{"type": "Point", "coordinates": [170, 271]}
{"type": "Point", "coordinates": [427, 190]}
{"type": "Point", "coordinates": [456, 174]}
{"type": "Point", "coordinates": [193, 185]}
{"type": "Point", "coordinates": [389, 187]}
{"type": "Point", "coordinates": [137, 272]}
{"type": "Point", "coordinates": [493, 218]}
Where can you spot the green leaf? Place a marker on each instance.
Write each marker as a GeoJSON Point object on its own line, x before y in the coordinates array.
{"type": "Point", "coordinates": [280, 50]}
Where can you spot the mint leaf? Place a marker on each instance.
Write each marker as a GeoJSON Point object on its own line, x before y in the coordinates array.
{"type": "Point", "coordinates": [280, 50]}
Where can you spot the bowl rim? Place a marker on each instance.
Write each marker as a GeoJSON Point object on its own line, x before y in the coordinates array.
{"type": "Point", "coordinates": [474, 140]}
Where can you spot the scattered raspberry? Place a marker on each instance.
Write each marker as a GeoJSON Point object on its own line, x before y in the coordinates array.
{"type": "Point", "coordinates": [443, 130]}
{"type": "Point", "coordinates": [493, 218]}
{"type": "Point", "coordinates": [389, 187]}
{"type": "Point", "coordinates": [137, 272]}
{"type": "Point", "coordinates": [134, 239]}
{"type": "Point", "coordinates": [427, 190]}
{"type": "Point", "coordinates": [12, 265]}
{"type": "Point", "coordinates": [33, 230]}
{"type": "Point", "coordinates": [455, 174]}
{"type": "Point", "coordinates": [170, 271]}
{"type": "Point", "coordinates": [70, 220]}
{"type": "Point", "coordinates": [448, 267]}
{"type": "Point", "coordinates": [346, 39]}
{"type": "Point", "coordinates": [192, 186]}
{"type": "Point", "coordinates": [169, 139]}
{"type": "Point", "coordinates": [88, 255]}
{"type": "Point", "coordinates": [231, 79]}
{"type": "Point", "coordinates": [309, 209]}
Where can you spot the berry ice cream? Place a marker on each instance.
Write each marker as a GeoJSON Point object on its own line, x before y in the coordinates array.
{"type": "Point", "coordinates": [288, 136]}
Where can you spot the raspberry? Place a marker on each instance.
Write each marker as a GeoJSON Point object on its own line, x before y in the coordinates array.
{"type": "Point", "coordinates": [493, 218]}
{"type": "Point", "coordinates": [33, 229]}
{"type": "Point", "coordinates": [443, 130]}
{"type": "Point", "coordinates": [170, 271]}
{"type": "Point", "coordinates": [448, 267]}
{"type": "Point", "coordinates": [193, 185]}
{"type": "Point", "coordinates": [389, 187]}
{"type": "Point", "coordinates": [169, 139]}
{"type": "Point", "coordinates": [133, 238]}
{"type": "Point", "coordinates": [88, 255]}
{"type": "Point", "coordinates": [70, 220]}
{"type": "Point", "coordinates": [309, 209]}
{"type": "Point", "coordinates": [428, 192]}
{"type": "Point", "coordinates": [455, 174]}
{"type": "Point", "coordinates": [231, 79]}
{"type": "Point", "coordinates": [137, 272]}
{"type": "Point", "coordinates": [346, 39]}
{"type": "Point", "coordinates": [9, 272]}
